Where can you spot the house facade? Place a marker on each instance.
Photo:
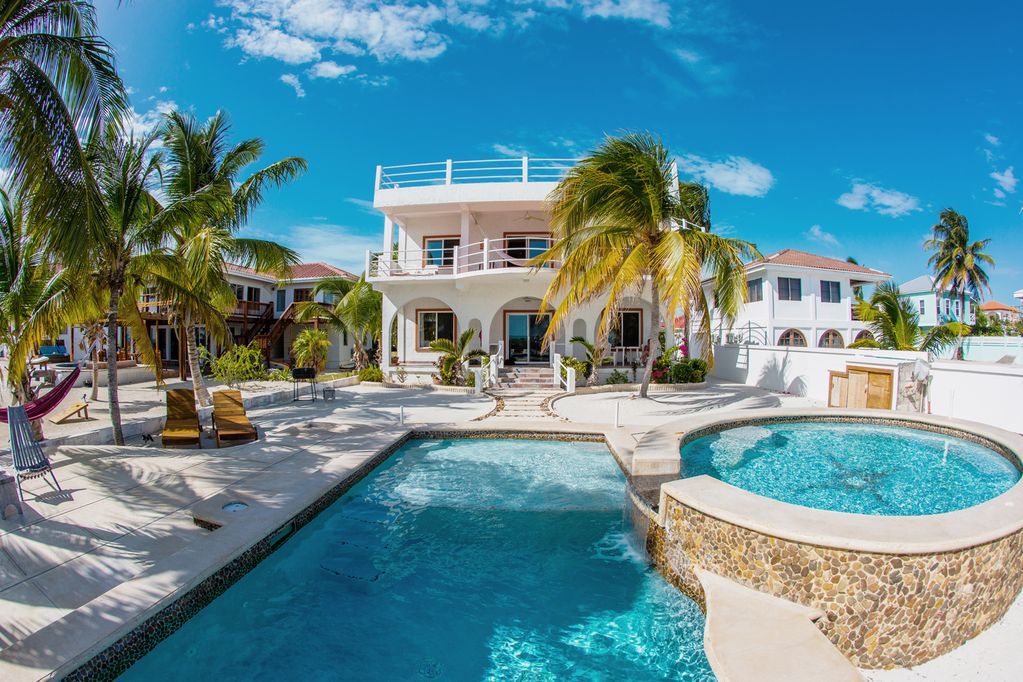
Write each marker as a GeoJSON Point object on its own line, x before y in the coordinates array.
{"type": "Point", "coordinates": [797, 299]}
{"type": "Point", "coordinates": [456, 239]}
{"type": "Point", "coordinates": [264, 312]}
{"type": "Point", "coordinates": [936, 307]}
{"type": "Point", "coordinates": [1003, 311]}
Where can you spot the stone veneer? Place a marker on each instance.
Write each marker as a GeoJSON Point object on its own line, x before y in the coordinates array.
{"type": "Point", "coordinates": [884, 610]}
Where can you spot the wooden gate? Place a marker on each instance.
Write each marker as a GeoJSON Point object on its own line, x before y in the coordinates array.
{"type": "Point", "coordinates": [859, 387]}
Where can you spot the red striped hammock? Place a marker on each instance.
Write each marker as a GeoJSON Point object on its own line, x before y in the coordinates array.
{"type": "Point", "coordinates": [42, 406]}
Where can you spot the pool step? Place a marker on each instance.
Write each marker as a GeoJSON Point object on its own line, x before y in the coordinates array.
{"type": "Point", "coordinates": [523, 402]}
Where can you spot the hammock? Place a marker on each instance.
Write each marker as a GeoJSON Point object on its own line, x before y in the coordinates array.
{"type": "Point", "coordinates": [40, 407]}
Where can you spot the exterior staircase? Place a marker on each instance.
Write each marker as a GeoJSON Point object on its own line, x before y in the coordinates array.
{"type": "Point", "coordinates": [522, 391]}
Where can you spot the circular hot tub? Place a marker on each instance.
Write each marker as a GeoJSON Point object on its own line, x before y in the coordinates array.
{"type": "Point", "coordinates": [853, 467]}
{"type": "Point", "coordinates": [905, 530]}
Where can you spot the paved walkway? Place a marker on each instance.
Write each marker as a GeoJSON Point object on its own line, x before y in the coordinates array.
{"type": "Point", "coordinates": [599, 408]}
{"type": "Point", "coordinates": [522, 403]}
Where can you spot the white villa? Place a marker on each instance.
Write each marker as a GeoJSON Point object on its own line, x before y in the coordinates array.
{"type": "Point", "coordinates": [936, 307]}
{"type": "Point", "coordinates": [798, 299]}
{"type": "Point", "coordinates": [456, 239]}
{"type": "Point", "coordinates": [264, 313]}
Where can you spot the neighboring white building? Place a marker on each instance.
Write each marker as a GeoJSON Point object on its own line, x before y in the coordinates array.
{"type": "Point", "coordinates": [456, 238]}
{"type": "Point", "coordinates": [264, 313]}
{"type": "Point", "coordinates": [798, 299]}
{"type": "Point", "coordinates": [936, 307]}
{"type": "Point", "coordinates": [1003, 311]}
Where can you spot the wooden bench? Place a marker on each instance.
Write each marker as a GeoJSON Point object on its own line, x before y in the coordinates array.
{"type": "Point", "coordinates": [81, 409]}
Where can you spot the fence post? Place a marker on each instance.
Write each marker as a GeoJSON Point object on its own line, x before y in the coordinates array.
{"type": "Point", "coordinates": [618, 406]}
{"type": "Point", "coordinates": [486, 253]}
{"type": "Point", "coordinates": [570, 379]}
{"type": "Point", "coordinates": [478, 372]}
{"type": "Point", "coordinates": [525, 169]}
{"type": "Point", "coordinates": [380, 172]}
{"type": "Point", "coordinates": [401, 415]}
{"type": "Point", "coordinates": [447, 173]}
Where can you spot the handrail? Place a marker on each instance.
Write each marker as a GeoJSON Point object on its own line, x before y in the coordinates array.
{"type": "Point", "coordinates": [450, 172]}
{"type": "Point", "coordinates": [489, 254]}
{"type": "Point", "coordinates": [568, 380]}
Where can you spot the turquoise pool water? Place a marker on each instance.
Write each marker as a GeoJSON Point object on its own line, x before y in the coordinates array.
{"type": "Point", "coordinates": [857, 468]}
{"type": "Point", "coordinates": [454, 560]}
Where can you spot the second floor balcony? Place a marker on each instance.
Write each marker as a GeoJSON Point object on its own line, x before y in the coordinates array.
{"type": "Point", "coordinates": [505, 255]}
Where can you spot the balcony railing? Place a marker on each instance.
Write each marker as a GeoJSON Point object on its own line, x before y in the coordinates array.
{"type": "Point", "coordinates": [487, 255]}
{"type": "Point", "coordinates": [249, 309]}
{"type": "Point", "coordinates": [524, 169]}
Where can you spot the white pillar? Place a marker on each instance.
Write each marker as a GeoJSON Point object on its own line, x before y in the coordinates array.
{"type": "Point", "coordinates": [389, 310]}
{"type": "Point", "coordinates": [388, 237]}
{"type": "Point", "coordinates": [463, 249]}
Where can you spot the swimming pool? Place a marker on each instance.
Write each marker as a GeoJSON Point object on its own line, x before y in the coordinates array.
{"type": "Point", "coordinates": [454, 560]}
{"type": "Point", "coordinates": [853, 467]}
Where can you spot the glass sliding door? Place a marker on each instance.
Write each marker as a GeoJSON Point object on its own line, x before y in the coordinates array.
{"type": "Point", "coordinates": [524, 334]}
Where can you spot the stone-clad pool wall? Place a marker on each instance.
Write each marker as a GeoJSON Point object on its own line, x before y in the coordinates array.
{"type": "Point", "coordinates": [884, 609]}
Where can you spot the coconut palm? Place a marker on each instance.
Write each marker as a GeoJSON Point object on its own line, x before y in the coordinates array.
{"type": "Point", "coordinates": [200, 155]}
{"type": "Point", "coordinates": [310, 349]}
{"type": "Point", "coordinates": [895, 323]}
{"type": "Point", "coordinates": [37, 299]}
{"type": "Point", "coordinates": [621, 223]}
{"type": "Point", "coordinates": [454, 355]}
{"type": "Point", "coordinates": [58, 85]}
{"type": "Point", "coordinates": [356, 311]}
{"type": "Point", "coordinates": [958, 263]}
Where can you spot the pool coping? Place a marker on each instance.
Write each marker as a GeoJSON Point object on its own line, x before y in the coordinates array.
{"type": "Point", "coordinates": [104, 637]}
{"type": "Point", "coordinates": [948, 532]}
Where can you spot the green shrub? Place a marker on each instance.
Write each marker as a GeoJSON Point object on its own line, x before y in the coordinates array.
{"type": "Point", "coordinates": [582, 369]}
{"type": "Point", "coordinates": [371, 373]}
{"type": "Point", "coordinates": [240, 363]}
{"type": "Point", "coordinates": [865, 343]}
{"type": "Point", "coordinates": [618, 377]}
{"type": "Point", "coordinates": [279, 374]}
{"type": "Point", "coordinates": [688, 371]}
{"type": "Point", "coordinates": [470, 379]}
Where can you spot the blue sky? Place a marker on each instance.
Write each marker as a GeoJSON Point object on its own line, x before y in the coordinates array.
{"type": "Point", "coordinates": [837, 128]}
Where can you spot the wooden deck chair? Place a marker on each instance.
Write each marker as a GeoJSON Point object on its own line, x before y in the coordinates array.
{"type": "Point", "coordinates": [230, 423]}
{"type": "Point", "coordinates": [182, 425]}
{"type": "Point", "coordinates": [29, 459]}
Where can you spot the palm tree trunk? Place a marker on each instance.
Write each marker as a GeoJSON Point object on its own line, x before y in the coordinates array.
{"type": "Point", "coordinates": [359, 355]}
{"type": "Point", "coordinates": [962, 321]}
{"type": "Point", "coordinates": [655, 327]}
{"type": "Point", "coordinates": [22, 394]}
{"type": "Point", "coordinates": [202, 395]}
{"type": "Point", "coordinates": [112, 399]}
{"type": "Point", "coordinates": [95, 372]}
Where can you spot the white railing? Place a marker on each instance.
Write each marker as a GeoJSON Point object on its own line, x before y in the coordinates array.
{"type": "Point", "coordinates": [489, 254]}
{"type": "Point", "coordinates": [568, 381]}
{"type": "Point", "coordinates": [509, 169]}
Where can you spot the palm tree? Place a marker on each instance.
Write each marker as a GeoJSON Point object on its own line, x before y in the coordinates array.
{"type": "Point", "coordinates": [123, 244]}
{"type": "Point", "coordinates": [594, 357]}
{"type": "Point", "coordinates": [199, 155]}
{"type": "Point", "coordinates": [621, 222]}
{"type": "Point", "coordinates": [454, 355]}
{"type": "Point", "coordinates": [310, 349]}
{"type": "Point", "coordinates": [958, 263]}
{"type": "Point", "coordinates": [356, 311]}
{"type": "Point", "coordinates": [37, 299]}
{"type": "Point", "coordinates": [895, 324]}
{"type": "Point", "coordinates": [57, 84]}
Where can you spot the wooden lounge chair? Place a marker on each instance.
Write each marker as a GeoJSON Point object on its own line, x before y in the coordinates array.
{"type": "Point", "coordinates": [182, 425]}
{"type": "Point", "coordinates": [230, 423]}
{"type": "Point", "coordinates": [29, 459]}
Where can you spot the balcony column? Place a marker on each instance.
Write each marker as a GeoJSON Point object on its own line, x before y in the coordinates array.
{"type": "Point", "coordinates": [388, 237]}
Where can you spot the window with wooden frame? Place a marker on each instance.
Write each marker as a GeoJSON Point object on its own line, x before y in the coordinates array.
{"type": "Point", "coordinates": [790, 289]}
{"type": "Point", "coordinates": [628, 330]}
{"type": "Point", "coordinates": [440, 251]}
{"type": "Point", "coordinates": [831, 339]}
{"type": "Point", "coordinates": [302, 295]}
{"type": "Point", "coordinates": [792, 337]}
{"type": "Point", "coordinates": [432, 325]}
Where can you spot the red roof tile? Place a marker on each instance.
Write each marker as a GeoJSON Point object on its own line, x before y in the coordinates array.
{"type": "Point", "coordinates": [810, 260]}
{"type": "Point", "coordinates": [995, 305]}
{"type": "Point", "coordinates": [300, 271]}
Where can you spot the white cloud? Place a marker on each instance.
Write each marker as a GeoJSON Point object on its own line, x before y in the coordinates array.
{"type": "Point", "coordinates": [328, 242]}
{"type": "Point", "coordinates": [992, 140]}
{"type": "Point", "coordinates": [869, 197]}
{"type": "Point", "coordinates": [999, 194]}
{"type": "Point", "coordinates": [653, 11]}
{"type": "Point", "coordinates": [364, 204]}
{"type": "Point", "coordinates": [329, 69]}
{"type": "Point", "coordinates": [1006, 180]}
{"type": "Point", "coordinates": [733, 174]}
{"type": "Point", "coordinates": [292, 80]}
{"type": "Point", "coordinates": [509, 150]}
{"type": "Point", "coordinates": [140, 125]}
{"type": "Point", "coordinates": [163, 89]}
{"type": "Point", "coordinates": [261, 38]}
{"type": "Point", "coordinates": [817, 234]}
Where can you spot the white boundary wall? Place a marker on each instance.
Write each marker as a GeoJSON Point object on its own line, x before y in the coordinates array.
{"type": "Point", "coordinates": [984, 392]}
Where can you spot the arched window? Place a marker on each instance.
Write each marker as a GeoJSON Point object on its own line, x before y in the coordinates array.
{"type": "Point", "coordinates": [792, 337]}
{"type": "Point", "coordinates": [831, 339]}
{"type": "Point", "coordinates": [864, 335]}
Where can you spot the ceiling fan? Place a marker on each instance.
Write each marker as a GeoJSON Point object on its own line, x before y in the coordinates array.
{"type": "Point", "coordinates": [526, 217]}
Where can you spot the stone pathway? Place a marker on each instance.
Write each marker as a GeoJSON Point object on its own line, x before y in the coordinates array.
{"type": "Point", "coordinates": [523, 403]}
